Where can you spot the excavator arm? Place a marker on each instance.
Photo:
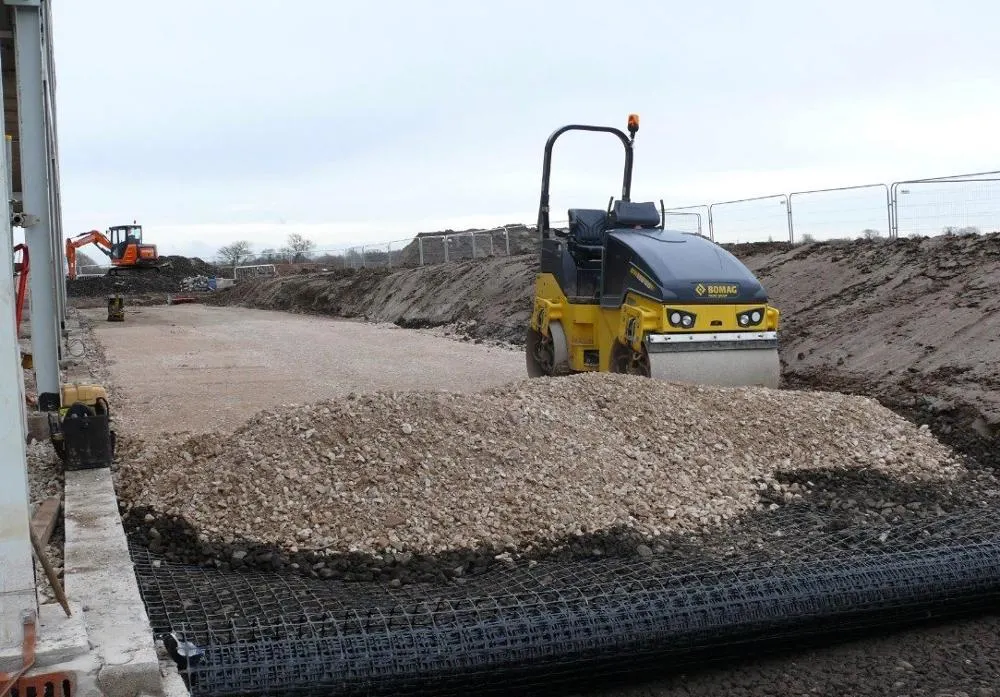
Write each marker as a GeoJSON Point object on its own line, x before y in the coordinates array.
{"type": "Point", "coordinates": [94, 237]}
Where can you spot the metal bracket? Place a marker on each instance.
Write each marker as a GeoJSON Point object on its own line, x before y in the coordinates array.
{"type": "Point", "coordinates": [24, 220]}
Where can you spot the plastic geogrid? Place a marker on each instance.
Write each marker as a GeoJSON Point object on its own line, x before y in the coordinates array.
{"type": "Point", "coordinates": [534, 626]}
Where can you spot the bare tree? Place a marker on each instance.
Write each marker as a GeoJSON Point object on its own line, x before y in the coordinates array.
{"type": "Point", "coordinates": [870, 234]}
{"type": "Point", "coordinates": [233, 254]}
{"type": "Point", "coordinates": [298, 247]}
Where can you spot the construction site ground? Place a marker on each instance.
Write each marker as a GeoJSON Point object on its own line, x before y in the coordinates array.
{"type": "Point", "coordinates": [197, 368]}
{"type": "Point", "coordinates": [911, 323]}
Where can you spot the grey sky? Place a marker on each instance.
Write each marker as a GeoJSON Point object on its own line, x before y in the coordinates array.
{"type": "Point", "coordinates": [355, 122]}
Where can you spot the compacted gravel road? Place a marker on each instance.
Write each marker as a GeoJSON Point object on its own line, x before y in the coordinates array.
{"type": "Point", "coordinates": [197, 368]}
{"type": "Point", "coordinates": [201, 369]}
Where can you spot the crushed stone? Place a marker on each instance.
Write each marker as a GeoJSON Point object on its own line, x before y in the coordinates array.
{"type": "Point", "coordinates": [517, 465]}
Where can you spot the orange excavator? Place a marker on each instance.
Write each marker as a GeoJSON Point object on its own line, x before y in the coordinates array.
{"type": "Point", "coordinates": [123, 245]}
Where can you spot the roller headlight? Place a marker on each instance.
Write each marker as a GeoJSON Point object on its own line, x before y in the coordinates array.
{"type": "Point", "coordinates": [750, 318]}
{"type": "Point", "coordinates": [681, 319]}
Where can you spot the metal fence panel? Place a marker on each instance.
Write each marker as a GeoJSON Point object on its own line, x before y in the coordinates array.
{"type": "Point", "coordinates": [840, 213]}
{"type": "Point", "coordinates": [758, 219]}
{"type": "Point", "coordinates": [688, 219]}
{"type": "Point", "coordinates": [959, 204]}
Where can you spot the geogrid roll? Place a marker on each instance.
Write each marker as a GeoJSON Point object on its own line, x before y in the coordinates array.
{"type": "Point", "coordinates": [540, 623]}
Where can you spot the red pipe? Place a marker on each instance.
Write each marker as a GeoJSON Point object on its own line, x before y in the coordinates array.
{"type": "Point", "coordinates": [21, 271]}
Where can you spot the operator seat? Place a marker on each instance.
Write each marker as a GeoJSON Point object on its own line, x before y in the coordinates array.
{"type": "Point", "coordinates": [587, 228]}
{"type": "Point", "coordinates": [631, 214]}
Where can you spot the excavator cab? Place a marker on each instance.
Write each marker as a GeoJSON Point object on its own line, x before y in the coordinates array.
{"type": "Point", "coordinates": [122, 236]}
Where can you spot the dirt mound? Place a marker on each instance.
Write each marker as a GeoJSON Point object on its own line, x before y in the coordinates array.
{"type": "Point", "coordinates": [489, 298]}
{"type": "Point", "coordinates": [514, 470]}
{"type": "Point", "coordinates": [911, 322]}
{"type": "Point", "coordinates": [150, 281]}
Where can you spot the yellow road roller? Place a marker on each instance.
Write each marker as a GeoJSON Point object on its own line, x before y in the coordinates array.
{"type": "Point", "coordinates": [619, 292]}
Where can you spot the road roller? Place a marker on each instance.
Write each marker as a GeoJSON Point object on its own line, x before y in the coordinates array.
{"type": "Point", "coordinates": [619, 292]}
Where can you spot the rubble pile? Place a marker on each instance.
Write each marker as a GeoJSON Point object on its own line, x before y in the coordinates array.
{"type": "Point", "coordinates": [197, 283]}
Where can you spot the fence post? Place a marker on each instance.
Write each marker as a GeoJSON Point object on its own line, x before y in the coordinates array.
{"type": "Point", "coordinates": [364, 263]}
{"type": "Point", "coordinates": [791, 224]}
{"type": "Point", "coordinates": [492, 249]}
{"type": "Point", "coordinates": [473, 245]}
{"type": "Point", "coordinates": [388, 252]}
{"type": "Point", "coordinates": [894, 211]}
{"type": "Point", "coordinates": [420, 249]}
{"type": "Point", "coordinates": [506, 239]}
{"type": "Point", "coordinates": [446, 240]}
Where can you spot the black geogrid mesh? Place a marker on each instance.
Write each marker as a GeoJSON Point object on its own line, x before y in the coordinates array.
{"type": "Point", "coordinates": [515, 628]}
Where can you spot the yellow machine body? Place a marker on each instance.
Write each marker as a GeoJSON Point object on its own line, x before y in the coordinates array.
{"type": "Point", "coordinates": [91, 395]}
{"type": "Point", "coordinates": [595, 336]}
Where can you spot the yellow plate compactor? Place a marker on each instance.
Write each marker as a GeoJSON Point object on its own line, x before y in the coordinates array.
{"type": "Point", "coordinates": [618, 292]}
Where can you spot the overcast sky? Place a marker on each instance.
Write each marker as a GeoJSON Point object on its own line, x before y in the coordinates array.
{"type": "Point", "coordinates": [364, 121]}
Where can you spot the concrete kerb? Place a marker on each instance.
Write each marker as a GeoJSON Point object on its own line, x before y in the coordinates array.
{"type": "Point", "coordinates": [99, 575]}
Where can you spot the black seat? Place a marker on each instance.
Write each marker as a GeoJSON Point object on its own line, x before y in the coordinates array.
{"type": "Point", "coordinates": [587, 228]}
{"type": "Point", "coordinates": [629, 214]}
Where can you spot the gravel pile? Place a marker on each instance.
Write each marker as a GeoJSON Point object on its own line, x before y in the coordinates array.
{"type": "Point", "coordinates": [511, 469]}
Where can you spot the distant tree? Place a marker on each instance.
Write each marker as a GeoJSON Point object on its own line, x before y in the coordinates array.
{"type": "Point", "coordinates": [807, 238]}
{"type": "Point", "coordinates": [268, 256]}
{"type": "Point", "coordinates": [233, 254]}
{"type": "Point", "coordinates": [298, 247]}
{"type": "Point", "coordinates": [870, 234]}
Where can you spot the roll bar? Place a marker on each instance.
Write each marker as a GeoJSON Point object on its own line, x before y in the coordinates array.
{"type": "Point", "coordinates": [628, 142]}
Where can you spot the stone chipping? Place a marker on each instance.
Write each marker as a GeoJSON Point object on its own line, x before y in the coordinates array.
{"type": "Point", "coordinates": [517, 466]}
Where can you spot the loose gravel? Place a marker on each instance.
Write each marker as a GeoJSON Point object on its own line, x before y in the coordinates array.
{"type": "Point", "coordinates": [513, 468]}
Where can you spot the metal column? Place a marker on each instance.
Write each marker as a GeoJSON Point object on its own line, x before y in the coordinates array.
{"type": "Point", "coordinates": [37, 224]}
{"type": "Point", "coordinates": [17, 573]}
{"type": "Point", "coordinates": [52, 141]}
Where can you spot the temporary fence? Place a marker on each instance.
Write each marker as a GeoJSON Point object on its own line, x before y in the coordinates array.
{"type": "Point", "coordinates": [253, 271]}
{"type": "Point", "coordinates": [953, 204]}
{"type": "Point", "coordinates": [916, 207]}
